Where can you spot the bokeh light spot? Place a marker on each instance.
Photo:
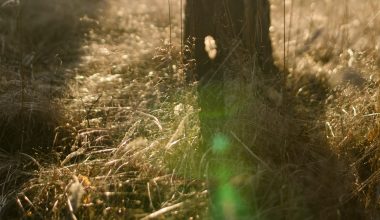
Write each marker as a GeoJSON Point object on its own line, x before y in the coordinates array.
{"type": "Point", "coordinates": [220, 143]}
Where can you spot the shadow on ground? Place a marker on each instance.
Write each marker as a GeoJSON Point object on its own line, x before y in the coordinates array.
{"type": "Point", "coordinates": [326, 181]}
{"type": "Point", "coordinates": [38, 40]}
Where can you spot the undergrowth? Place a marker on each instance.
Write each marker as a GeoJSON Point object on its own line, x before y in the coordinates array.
{"type": "Point", "coordinates": [95, 96]}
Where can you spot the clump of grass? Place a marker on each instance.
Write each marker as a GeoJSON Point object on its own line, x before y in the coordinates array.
{"type": "Point", "coordinates": [353, 133]}
{"type": "Point", "coordinates": [130, 180]}
{"type": "Point", "coordinates": [335, 45]}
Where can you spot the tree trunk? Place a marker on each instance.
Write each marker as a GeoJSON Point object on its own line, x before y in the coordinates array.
{"type": "Point", "coordinates": [241, 31]}
{"type": "Point", "coordinates": [231, 89]}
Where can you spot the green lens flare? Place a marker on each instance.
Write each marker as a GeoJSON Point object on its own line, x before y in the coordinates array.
{"type": "Point", "coordinates": [220, 143]}
{"type": "Point", "coordinates": [228, 202]}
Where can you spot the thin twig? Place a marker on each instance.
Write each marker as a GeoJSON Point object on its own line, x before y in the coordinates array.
{"type": "Point", "coordinates": [370, 115]}
{"type": "Point", "coordinates": [71, 210]}
{"type": "Point", "coordinates": [150, 196]}
{"type": "Point", "coordinates": [250, 151]}
{"type": "Point", "coordinates": [170, 23]}
{"type": "Point", "coordinates": [155, 119]}
{"type": "Point", "coordinates": [20, 205]}
{"type": "Point", "coordinates": [72, 155]}
{"type": "Point", "coordinates": [88, 111]}
{"type": "Point", "coordinates": [163, 211]}
{"type": "Point", "coordinates": [290, 27]}
{"type": "Point", "coordinates": [284, 36]}
{"type": "Point", "coordinates": [181, 22]}
{"type": "Point", "coordinates": [177, 133]}
{"type": "Point", "coordinates": [330, 128]}
{"type": "Point", "coordinates": [32, 159]}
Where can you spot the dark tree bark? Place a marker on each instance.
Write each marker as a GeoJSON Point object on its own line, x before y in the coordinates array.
{"type": "Point", "coordinates": [241, 31]}
{"type": "Point", "coordinates": [231, 90]}
{"type": "Point", "coordinates": [228, 21]}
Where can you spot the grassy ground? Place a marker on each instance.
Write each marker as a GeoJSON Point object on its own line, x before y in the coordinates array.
{"type": "Point", "coordinates": [101, 85]}
{"type": "Point", "coordinates": [337, 43]}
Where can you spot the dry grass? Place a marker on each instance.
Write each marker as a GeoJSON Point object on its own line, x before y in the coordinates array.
{"type": "Point", "coordinates": [122, 150]}
{"type": "Point", "coordinates": [124, 126]}
{"type": "Point", "coordinates": [332, 58]}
